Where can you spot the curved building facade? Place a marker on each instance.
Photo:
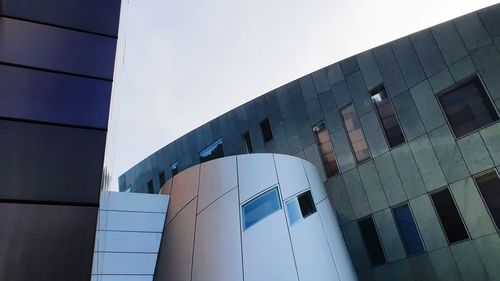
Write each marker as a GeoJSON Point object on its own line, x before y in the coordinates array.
{"type": "Point", "coordinates": [251, 217]}
{"type": "Point", "coordinates": [407, 141]}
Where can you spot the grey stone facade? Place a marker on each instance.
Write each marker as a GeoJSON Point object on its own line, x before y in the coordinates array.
{"type": "Point", "coordinates": [413, 69]}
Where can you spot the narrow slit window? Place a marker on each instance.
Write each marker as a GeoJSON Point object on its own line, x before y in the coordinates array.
{"type": "Point", "coordinates": [372, 241]}
{"type": "Point", "coordinates": [325, 149]}
{"type": "Point", "coordinates": [468, 107]}
{"type": "Point", "coordinates": [387, 116]}
{"type": "Point", "coordinates": [247, 142]}
{"type": "Point", "coordinates": [162, 178]}
{"type": "Point", "coordinates": [151, 187]}
{"type": "Point", "coordinates": [355, 134]}
{"type": "Point", "coordinates": [408, 230]}
{"type": "Point", "coordinates": [213, 151]}
{"type": "Point", "coordinates": [300, 207]}
{"type": "Point", "coordinates": [489, 186]}
{"type": "Point", "coordinates": [449, 216]}
{"type": "Point", "coordinates": [265, 127]}
{"type": "Point", "coordinates": [174, 168]}
{"type": "Point", "coordinates": [260, 207]}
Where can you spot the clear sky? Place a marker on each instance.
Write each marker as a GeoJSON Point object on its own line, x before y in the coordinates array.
{"type": "Point", "coordinates": [182, 63]}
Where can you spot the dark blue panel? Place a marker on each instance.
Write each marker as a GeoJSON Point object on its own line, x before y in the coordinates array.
{"type": "Point", "coordinates": [50, 97]}
{"type": "Point", "coordinates": [50, 163]}
{"type": "Point", "coordinates": [408, 230]}
{"type": "Point", "coordinates": [53, 48]}
{"type": "Point", "coordinates": [46, 242]}
{"type": "Point", "coordinates": [90, 15]}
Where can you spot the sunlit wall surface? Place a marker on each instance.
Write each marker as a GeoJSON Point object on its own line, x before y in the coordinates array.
{"type": "Point", "coordinates": [411, 148]}
{"type": "Point", "coordinates": [56, 70]}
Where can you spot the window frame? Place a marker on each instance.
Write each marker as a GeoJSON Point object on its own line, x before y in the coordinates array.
{"type": "Point", "coordinates": [256, 196]}
{"type": "Point", "coordinates": [458, 85]}
{"type": "Point", "coordinates": [295, 200]}
{"type": "Point", "coordinates": [320, 154]}
{"type": "Point", "coordinates": [474, 177]}
{"type": "Point", "coordinates": [349, 139]}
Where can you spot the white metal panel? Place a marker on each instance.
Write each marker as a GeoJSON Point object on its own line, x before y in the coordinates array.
{"type": "Point", "coordinates": [317, 188]}
{"type": "Point", "coordinates": [267, 252]}
{"type": "Point", "coordinates": [124, 263]}
{"type": "Point", "coordinates": [176, 252]}
{"type": "Point", "coordinates": [256, 172]}
{"type": "Point", "coordinates": [291, 175]}
{"type": "Point", "coordinates": [130, 221]}
{"type": "Point", "coordinates": [184, 189]}
{"type": "Point", "coordinates": [336, 241]}
{"type": "Point", "coordinates": [217, 253]}
{"type": "Point", "coordinates": [216, 178]}
{"type": "Point", "coordinates": [140, 202]}
{"type": "Point", "coordinates": [121, 278]}
{"type": "Point", "coordinates": [312, 255]}
{"type": "Point", "coordinates": [130, 242]}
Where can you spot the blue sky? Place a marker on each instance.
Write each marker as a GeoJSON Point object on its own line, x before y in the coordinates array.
{"type": "Point", "coordinates": [182, 63]}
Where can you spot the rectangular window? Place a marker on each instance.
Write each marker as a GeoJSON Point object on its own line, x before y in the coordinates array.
{"type": "Point", "coordinates": [162, 178]}
{"type": "Point", "coordinates": [151, 187]}
{"type": "Point", "coordinates": [213, 151]}
{"type": "Point", "coordinates": [355, 133]}
{"type": "Point", "coordinates": [449, 216]}
{"type": "Point", "coordinates": [325, 149]}
{"type": "Point", "coordinates": [489, 186]}
{"type": "Point", "coordinates": [372, 241]}
{"type": "Point", "coordinates": [408, 230]}
{"type": "Point", "coordinates": [247, 142]}
{"type": "Point", "coordinates": [174, 168]}
{"type": "Point", "coordinates": [267, 133]}
{"type": "Point", "coordinates": [260, 207]}
{"type": "Point", "coordinates": [468, 107]}
{"type": "Point", "coordinates": [300, 207]}
{"type": "Point", "coordinates": [387, 116]}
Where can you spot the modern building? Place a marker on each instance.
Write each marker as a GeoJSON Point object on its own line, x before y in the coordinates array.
{"type": "Point", "coordinates": [56, 70]}
{"type": "Point", "coordinates": [407, 141]}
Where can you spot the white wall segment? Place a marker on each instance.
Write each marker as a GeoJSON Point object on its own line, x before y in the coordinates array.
{"type": "Point", "coordinates": [216, 178]}
{"type": "Point", "coordinates": [256, 172]}
{"type": "Point", "coordinates": [133, 202]}
{"type": "Point", "coordinates": [130, 221]}
{"type": "Point", "coordinates": [291, 175]}
{"type": "Point", "coordinates": [125, 241]}
{"type": "Point", "coordinates": [317, 188]}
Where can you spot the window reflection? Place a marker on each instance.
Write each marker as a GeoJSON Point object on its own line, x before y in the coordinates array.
{"type": "Point", "coordinates": [387, 116]}
{"type": "Point", "coordinates": [213, 151]}
{"type": "Point", "coordinates": [408, 230]}
{"type": "Point", "coordinates": [260, 207]}
{"type": "Point", "coordinates": [325, 149]}
{"type": "Point", "coordinates": [355, 134]}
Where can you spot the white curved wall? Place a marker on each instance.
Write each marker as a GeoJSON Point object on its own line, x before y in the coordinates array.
{"type": "Point", "coordinates": [204, 238]}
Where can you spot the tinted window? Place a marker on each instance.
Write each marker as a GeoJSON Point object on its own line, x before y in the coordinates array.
{"type": "Point", "coordinates": [449, 216]}
{"type": "Point", "coordinates": [468, 107]}
{"type": "Point", "coordinates": [325, 148]}
{"type": "Point", "coordinates": [408, 230]}
{"type": "Point", "coordinates": [489, 186]}
{"type": "Point", "coordinates": [174, 168]}
{"type": "Point", "coordinates": [260, 207]}
{"type": "Point", "coordinates": [162, 178]}
{"type": "Point", "coordinates": [372, 241]}
{"type": "Point", "coordinates": [355, 134]}
{"type": "Point", "coordinates": [300, 207]}
{"type": "Point", "coordinates": [150, 187]}
{"type": "Point", "coordinates": [267, 133]}
{"type": "Point", "coordinates": [387, 116]}
{"type": "Point", "coordinates": [214, 151]}
{"type": "Point", "coordinates": [247, 142]}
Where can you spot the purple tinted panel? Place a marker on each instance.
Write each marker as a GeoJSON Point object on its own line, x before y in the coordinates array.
{"type": "Point", "coordinates": [50, 163]}
{"type": "Point", "coordinates": [57, 98]}
{"type": "Point", "coordinates": [325, 148]}
{"type": "Point", "coordinates": [90, 15]}
{"type": "Point", "coordinates": [388, 118]}
{"type": "Point", "coordinates": [449, 216]}
{"type": "Point", "coordinates": [468, 107]}
{"type": "Point", "coordinates": [355, 134]}
{"type": "Point", "coordinates": [489, 185]}
{"type": "Point", "coordinates": [46, 242]}
{"type": "Point", "coordinates": [53, 48]}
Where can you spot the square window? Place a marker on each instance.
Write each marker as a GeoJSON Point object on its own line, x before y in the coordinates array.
{"type": "Point", "coordinates": [468, 107]}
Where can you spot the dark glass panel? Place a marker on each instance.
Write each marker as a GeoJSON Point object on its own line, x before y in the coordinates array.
{"type": "Point", "coordinates": [260, 207]}
{"type": "Point", "coordinates": [489, 185]}
{"type": "Point", "coordinates": [50, 163]}
{"type": "Point", "coordinates": [90, 15]}
{"type": "Point", "coordinates": [267, 133]}
{"type": "Point", "coordinates": [468, 107]}
{"type": "Point", "coordinates": [306, 204]}
{"type": "Point", "coordinates": [53, 48]}
{"type": "Point", "coordinates": [174, 168]}
{"type": "Point", "coordinates": [46, 242]}
{"type": "Point", "coordinates": [408, 230]}
{"type": "Point", "coordinates": [212, 152]}
{"type": "Point", "coordinates": [247, 142]}
{"type": "Point", "coordinates": [162, 178]}
{"type": "Point", "coordinates": [56, 98]}
{"type": "Point", "coordinates": [325, 149]}
{"type": "Point", "coordinates": [151, 189]}
{"type": "Point", "coordinates": [387, 117]}
{"type": "Point", "coordinates": [372, 241]}
{"type": "Point", "coordinates": [355, 134]}
{"type": "Point", "coordinates": [449, 216]}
